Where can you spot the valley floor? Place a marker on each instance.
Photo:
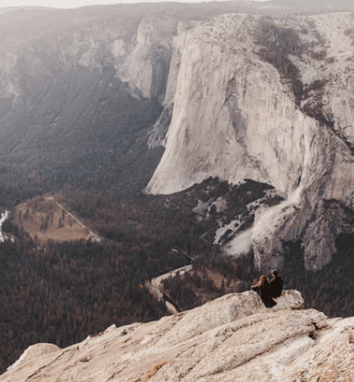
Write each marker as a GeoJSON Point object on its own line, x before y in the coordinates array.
{"type": "Point", "coordinates": [44, 218]}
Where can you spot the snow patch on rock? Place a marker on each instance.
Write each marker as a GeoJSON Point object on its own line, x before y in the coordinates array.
{"type": "Point", "coordinates": [241, 244]}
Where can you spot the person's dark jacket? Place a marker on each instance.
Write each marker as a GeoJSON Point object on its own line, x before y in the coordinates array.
{"type": "Point", "coordinates": [276, 286]}
{"type": "Point", "coordinates": [263, 289]}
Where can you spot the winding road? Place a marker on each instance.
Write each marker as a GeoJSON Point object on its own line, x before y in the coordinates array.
{"type": "Point", "coordinates": [155, 286]}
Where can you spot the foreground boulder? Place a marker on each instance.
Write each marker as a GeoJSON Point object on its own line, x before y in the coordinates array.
{"type": "Point", "coordinates": [233, 338]}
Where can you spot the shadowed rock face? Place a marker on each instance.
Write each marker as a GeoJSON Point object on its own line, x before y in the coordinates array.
{"type": "Point", "coordinates": [232, 338]}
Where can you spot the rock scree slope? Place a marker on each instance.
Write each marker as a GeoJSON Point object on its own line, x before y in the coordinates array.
{"type": "Point", "coordinates": [231, 338]}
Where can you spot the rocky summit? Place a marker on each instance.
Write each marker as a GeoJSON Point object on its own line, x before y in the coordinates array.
{"type": "Point", "coordinates": [233, 338]}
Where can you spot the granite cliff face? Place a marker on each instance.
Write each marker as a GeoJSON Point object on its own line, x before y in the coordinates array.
{"type": "Point", "coordinates": [270, 99]}
{"type": "Point", "coordinates": [232, 338]}
{"type": "Point", "coordinates": [90, 82]}
{"type": "Point", "coordinates": [233, 91]}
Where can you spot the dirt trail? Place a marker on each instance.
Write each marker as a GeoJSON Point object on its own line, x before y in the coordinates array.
{"type": "Point", "coordinates": [97, 238]}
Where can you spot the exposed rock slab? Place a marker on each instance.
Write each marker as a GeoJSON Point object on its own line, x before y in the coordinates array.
{"type": "Point", "coordinates": [232, 338]}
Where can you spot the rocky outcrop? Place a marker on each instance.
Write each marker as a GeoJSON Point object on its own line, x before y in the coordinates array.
{"type": "Point", "coordinates": [232, 338]}
{"type": "Point", "coordinates": [270, 100]}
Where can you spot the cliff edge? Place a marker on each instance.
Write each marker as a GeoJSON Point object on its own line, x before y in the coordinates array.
{"type": "Point", "coordinates": [231, 338]}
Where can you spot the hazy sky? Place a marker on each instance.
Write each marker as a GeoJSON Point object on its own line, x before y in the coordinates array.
{"type": "Point", "coordinates": [72, 3]}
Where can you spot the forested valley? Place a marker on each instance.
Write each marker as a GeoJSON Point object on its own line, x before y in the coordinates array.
{"type": "Point", "coordinates": [61, 292]}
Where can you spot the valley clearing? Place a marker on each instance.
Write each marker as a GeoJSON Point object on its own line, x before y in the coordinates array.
{"type": "Point", "coordinates": [43, 217]}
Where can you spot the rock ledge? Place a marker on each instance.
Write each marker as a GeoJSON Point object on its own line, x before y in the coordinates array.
{"type": "Point", "coordinates": [231, 338]}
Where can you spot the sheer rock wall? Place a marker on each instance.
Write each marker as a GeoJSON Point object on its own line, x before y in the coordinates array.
{"type": "Point", "coordinates": [270, 100]}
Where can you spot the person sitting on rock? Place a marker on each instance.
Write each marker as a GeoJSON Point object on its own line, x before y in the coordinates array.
{"type": "Point", "coordinates": [263, 289]}
{"type": "Point", "coordinates": [276, 285]}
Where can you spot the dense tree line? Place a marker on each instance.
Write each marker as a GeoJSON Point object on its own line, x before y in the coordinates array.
{"type": "Point", "coordinates": [61, 293]}
{"type": "Point", "coordinates": [199, 286]}
{"type": "Point", "coordinates": [45, 293]}
{"type": "Point", "coordinates": [330, 290]}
